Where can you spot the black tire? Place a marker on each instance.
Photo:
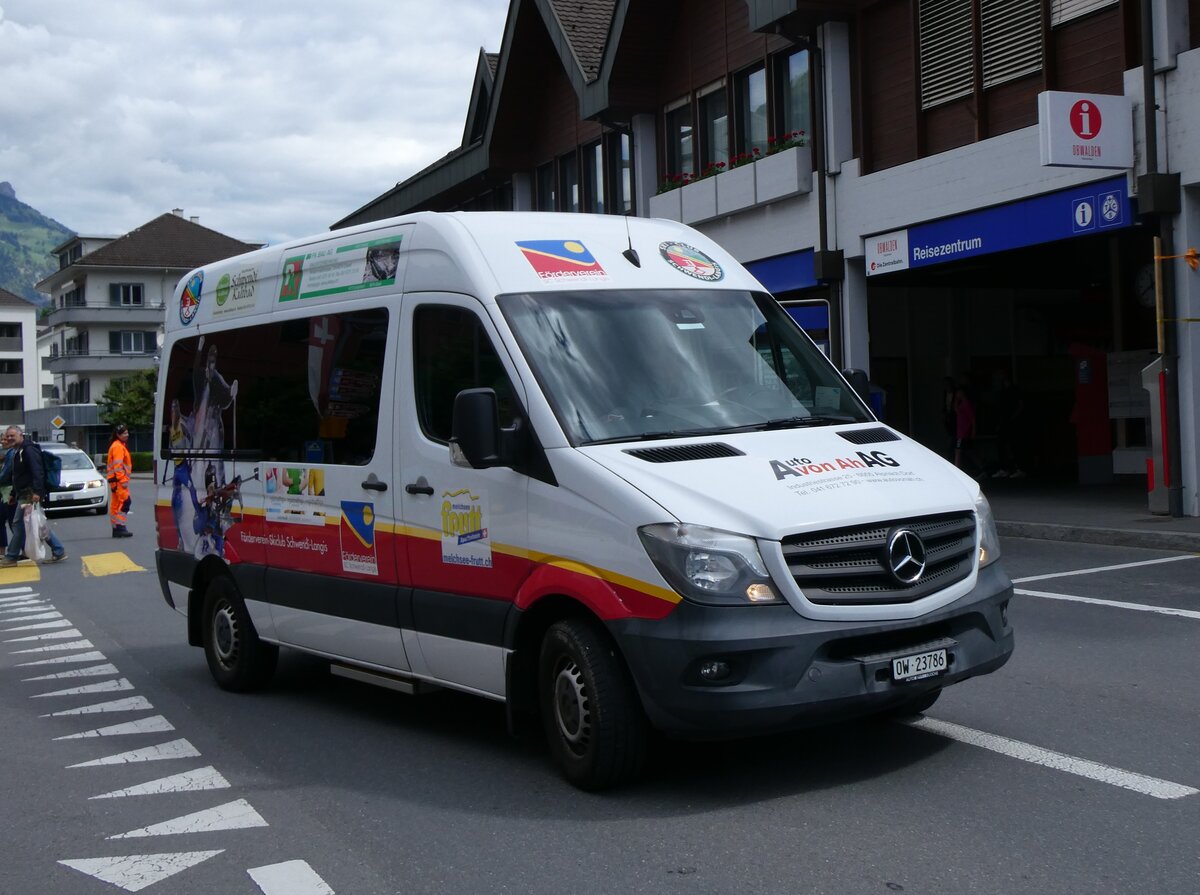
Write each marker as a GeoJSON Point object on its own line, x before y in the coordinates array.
{"type": "Point", "coordinates": [915, 706]}
{"type": "Point", "coordinates": [590, 711]}
{"type": "Point", "coordinates": [238, 660]}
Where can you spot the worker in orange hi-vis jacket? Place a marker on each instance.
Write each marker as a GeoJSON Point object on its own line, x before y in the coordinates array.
{"type": "Point", "coordinates": [119, 468]}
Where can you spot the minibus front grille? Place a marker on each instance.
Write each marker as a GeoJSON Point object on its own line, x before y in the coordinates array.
{"type": "Point", "coordinates": [869, 436]}
{"type": "Point", "coordinates": [850, 566]}
{"type": "Point", "coordinates": [681, 452]}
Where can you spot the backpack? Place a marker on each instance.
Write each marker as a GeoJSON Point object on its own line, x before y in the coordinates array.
{"type": "Point", "coordinates": [52, 468]}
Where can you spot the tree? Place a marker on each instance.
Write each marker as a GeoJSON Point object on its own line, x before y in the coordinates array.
{"type": "Point", "coordinates": [131, 400]}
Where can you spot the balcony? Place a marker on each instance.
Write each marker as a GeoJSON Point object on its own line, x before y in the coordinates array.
{"type": "Point", "coordinates": [780, 175]}
{"type": "Point", "coordinates": [12, 380]}
{"type": "Point", "coordinates": [11, 343]}
{"type": "Point", "coordinates": [97, 313]}
{"type": "Point", "coordinates": [100, 362]}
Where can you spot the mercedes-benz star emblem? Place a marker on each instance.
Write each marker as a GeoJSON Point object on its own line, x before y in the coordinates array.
{"type": "Point", "coordinates": [906, 555]}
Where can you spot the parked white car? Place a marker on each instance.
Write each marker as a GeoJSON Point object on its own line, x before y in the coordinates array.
{"type": "Point", "coordinates": [83, 485]}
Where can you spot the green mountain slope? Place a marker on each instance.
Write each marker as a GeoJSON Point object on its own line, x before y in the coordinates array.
{"type": "Point", "coordinates": [26, 238]}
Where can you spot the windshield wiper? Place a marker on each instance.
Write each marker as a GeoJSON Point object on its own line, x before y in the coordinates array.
{"type": "Point", "coordinates": [803, 422]}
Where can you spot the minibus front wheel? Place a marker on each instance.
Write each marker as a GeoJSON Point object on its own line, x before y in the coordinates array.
{"type": "Point", "coordinates": [593, 720]}
{"type": "Point", "coordinates": [238, 660]}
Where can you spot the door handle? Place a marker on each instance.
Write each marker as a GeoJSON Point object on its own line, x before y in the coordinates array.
{"type": "Point", "coordinates": [417, 488]}
{"type": "Point", "coordinates": [374, 484]}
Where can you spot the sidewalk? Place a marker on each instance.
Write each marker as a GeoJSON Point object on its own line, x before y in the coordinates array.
{"type": "Point", "coordinates": [1115, 514]}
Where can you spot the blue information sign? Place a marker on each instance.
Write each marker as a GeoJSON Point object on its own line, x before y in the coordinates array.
{"type": "Point", "coordinates": [1092, 208]}
{"type": "Point", "coordinates": [785, 273]}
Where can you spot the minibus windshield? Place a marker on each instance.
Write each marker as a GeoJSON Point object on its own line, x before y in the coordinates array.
{"type": "Point", "coordinates": [624, 365]}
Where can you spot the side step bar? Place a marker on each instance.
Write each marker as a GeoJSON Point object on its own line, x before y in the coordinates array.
{"type": "Point", "coordinates": [411, 686]}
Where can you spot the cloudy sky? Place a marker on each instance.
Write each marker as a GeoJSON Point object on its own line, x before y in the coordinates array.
{"type": "Point", "coordinates": [267, 120]}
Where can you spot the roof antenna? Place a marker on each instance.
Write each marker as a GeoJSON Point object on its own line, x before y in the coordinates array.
{"type": "Point", "coordinates": [630, 253]}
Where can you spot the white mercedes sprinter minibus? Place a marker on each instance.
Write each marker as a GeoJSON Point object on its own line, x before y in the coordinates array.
{"type": "Point", "coordinates": [584, 465]}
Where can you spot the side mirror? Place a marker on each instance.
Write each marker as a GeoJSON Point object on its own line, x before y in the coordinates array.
{"type": "Point", "coordinates": [475, 429]}
{"type": "Point", "coordinates": [860, 383]}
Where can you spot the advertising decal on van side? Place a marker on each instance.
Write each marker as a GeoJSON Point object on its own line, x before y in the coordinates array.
{"type": "Point", "coordinates": [358, 537]}
{"type": "Point", "coordinates": [235, 293]}
{"type": "Point", "coordinates": [464, 529]}
{"type": "Point", "coordinates": [348, 268]}
{"type": "Point", "coordinates": [189, 300]}
{"type": "Point", "coordinates": [555, 259]}
{"type": "Point", "coordinates": [691, 261]}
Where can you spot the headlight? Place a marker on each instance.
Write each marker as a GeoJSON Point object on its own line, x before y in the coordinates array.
{"type": "Point", "coordinates": [989, 540]}
{"type": "Point", "coordinates": [95, 483]}
{"type": "Point", "coordinates": [708, 566]}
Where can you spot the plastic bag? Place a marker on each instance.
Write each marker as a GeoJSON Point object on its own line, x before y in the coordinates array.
{"type": "Point", "coordinates": [37, 533]}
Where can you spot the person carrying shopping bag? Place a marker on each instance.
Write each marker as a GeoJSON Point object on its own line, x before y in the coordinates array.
{"type": "Point", "coordinates": [29, 484]}
{"type": "Point", "coordinates": [118, 469]}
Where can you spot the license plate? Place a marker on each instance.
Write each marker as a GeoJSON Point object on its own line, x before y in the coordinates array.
{"type": "Point", "coordinates": [60, 495]}
{"type": "Point", "coordinates": [913, 668]}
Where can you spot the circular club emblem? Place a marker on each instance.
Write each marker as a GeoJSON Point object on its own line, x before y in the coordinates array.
{"type": "Point", "coordinates": [189, 301]}
{"type": "Point", "coordinates": [691, 261]}
{"type": "Point", "coordinates": [1085, 120]}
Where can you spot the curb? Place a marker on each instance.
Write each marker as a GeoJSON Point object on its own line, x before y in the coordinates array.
{"type": "Point", "coordinates": [1184, 541]}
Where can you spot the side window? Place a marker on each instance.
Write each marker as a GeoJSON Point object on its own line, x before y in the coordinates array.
{"type": "Point", "coordinates": [298, 390]}
{"type": "Point", "coordinates": [452, 352]}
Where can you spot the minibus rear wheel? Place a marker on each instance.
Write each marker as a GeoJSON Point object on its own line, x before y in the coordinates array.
{"type": "Point", "coordinates": [593, 720]}
{"type": "Point", "coordinates": [238, 660]}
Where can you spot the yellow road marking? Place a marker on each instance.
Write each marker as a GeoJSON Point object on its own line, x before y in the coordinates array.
{"type": "Point", "coordinates": [108, 564]}
{"type": "Point", "coordinates": [24, 571]}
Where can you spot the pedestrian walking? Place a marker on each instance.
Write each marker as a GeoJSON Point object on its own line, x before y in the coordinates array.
{"type": "Point", "coordinates": [118, 469]}
{"type": "Point", "coordinates": [8, 499]}
{"type": "Point", "coordinates": [29, 484]}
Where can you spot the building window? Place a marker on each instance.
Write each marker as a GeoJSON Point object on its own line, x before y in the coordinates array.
{"type": "Point", "coordinates": [132, 342]}
{"type": "Point", "coordinates": [568, 177]}
{"type": "Point", "coordinates": [680, 139]}
{"type": "Point", "coordinates": [72, 298]}
{"type": "Point", "coordinates": [753, 126]}
{"type": "Point", "coordinates": [795, 94]}
{"type": "Point", "coordinates": [1009, 38]}
{"type": "Point", "coordinates": [545, 187]}
{"type": "Point", "coordinates": [593, 178]}
{"type": "Point", "coordinates": [10, 331]}
{"type": "Point", "coordinates": [12, 404]}
{"type": "Point", "coordinates": [1063, 11]}
{"type": "Point", "coordinates": [713, 105]}
{"type": "Point", "coordinates": [620, 173]}
{"type": "Point", "coordinates": [126, 295]}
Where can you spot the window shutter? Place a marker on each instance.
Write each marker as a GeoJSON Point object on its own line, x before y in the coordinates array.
{"type": "Point", "coordinates": [1062, 11]}
{"type": "Point", "coordinates": [947, 67]}
{"type": "Point", "coordinates": [1012, 39]}
{"type": "Point", "coordinates": [114, 294]}
{"type": "Point", "coordinates": [114, 342]}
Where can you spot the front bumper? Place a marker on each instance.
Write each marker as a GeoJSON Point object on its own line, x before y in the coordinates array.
{"type": "Point", "coordinates": [77, 499]}
{"type": "Point", "coordinates": [788, 671]}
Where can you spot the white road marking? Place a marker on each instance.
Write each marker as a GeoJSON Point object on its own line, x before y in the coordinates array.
{"type": "Point", "coordinates": [18, 615]}
{"type": "Point", "coordinates": [53, 635]}
{"type": "Point", "coordinates": [161, 752]}
{"type": "Point", "coordinates": [41, 616]}
{"type": "Point", "coordinates": [1113, 604]}
{"type": "Point", "coordinates": [135, 872]}
{"type": "Point", "coordinates": [56, 648]}
{"type": "Point", "coordinates": [102, 687]}
{"type": "Point", "coordinates": [62, 660]}
{"type": "Point", "coordinates": [153, 724]}
{"type": "Point", "coordinates": [42, 626]}
{"type": "Point", "coordinates": [15, 590]}
{"type": "Point", "coordinates": [1150, 786]}
{"type": "Point", "coordinates": [1093, 571]}
{"type": "Point", "coordinates": [93, 671]}
{"type": "Point", "coordinates": [236, 815]}
{"type": "Point", "coordinates": [189, 781]}
{"type": "Point", "coordinates": [289, 878]}
{"type": "Point", "coordinates": [22, 605]}
{"type": "Point", "coordinates": [129, 704]}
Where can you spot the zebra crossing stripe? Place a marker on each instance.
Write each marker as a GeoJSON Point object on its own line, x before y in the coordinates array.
{"type": "Point", "coordinates": [56, 647]}
{"type": "Point", "coordinates": [93, 671]}
{"type": "Point", "coordinates": [43, 626]}
{"type": "Point", "coordinates": [289, 878]}
{"type": "Point", "coordinates": [129, 704]}
{"type": "Point", "coordinates": [62, 660]}
{"type": "Point", "coordinates": [53, 635]}
{"type": "Point", "coordinates": [135, 872]}
{"type": "Point", "coordinates": [102, 687]}
{"type": "Point", "coordinates": [162, 752]}
{"type": "Point", "coordinates": [153, 724]}
{"type": "Point", "coordinates": [41, 616]}
{"type": "Point", "coordinates": [188, 781]}
{"type": "Point", "coordinates": [236, 815]}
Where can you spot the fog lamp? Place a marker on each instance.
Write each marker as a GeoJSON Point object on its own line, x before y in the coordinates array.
{"type": "Point", "coordinates": [714, 670]}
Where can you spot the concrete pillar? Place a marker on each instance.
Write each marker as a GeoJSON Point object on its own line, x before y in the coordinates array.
{"type": "Point", "coordinates": [1187, 311]}
{"type": "Point", "coordinates": [856, 342]}
{"type": "Point", "coordinates": [645, 161]}
{"type": "Point", "coordinates": [522, 191]}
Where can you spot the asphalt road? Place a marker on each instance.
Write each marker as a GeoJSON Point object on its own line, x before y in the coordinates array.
{"type": "Point", "coordinates": [1072, 770]}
